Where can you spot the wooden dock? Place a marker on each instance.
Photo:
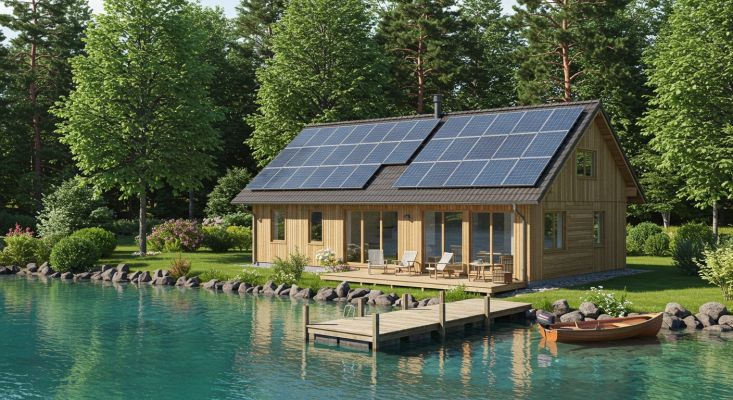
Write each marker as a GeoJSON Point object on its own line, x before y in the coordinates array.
{"type": "Point", "coordinates": [390, 328]}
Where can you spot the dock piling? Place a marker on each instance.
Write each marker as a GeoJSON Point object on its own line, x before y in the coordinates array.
{"type": "Point", "coordinates": [487, 311]}
{"type": "Point", "coordinates": [403, 303]}
{"type": "Point", "coordinates": [360, 306]}
{"type": "Point", "coordinates": [306, 321]}
{"type": "Point", "coordinates": [441, 314]}
{"type": "Point", "coordinates": [375, 331]}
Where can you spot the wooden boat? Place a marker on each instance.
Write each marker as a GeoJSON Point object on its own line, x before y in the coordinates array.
{"type": "Point", "coordinates": [644, 325]}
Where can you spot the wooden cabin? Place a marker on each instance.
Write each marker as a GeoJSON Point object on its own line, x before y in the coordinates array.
{"type": "Point", "coordinates": [547, 185]}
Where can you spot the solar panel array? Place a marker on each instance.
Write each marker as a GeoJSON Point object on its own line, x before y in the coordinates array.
{"type": "Point", "coordinates": [491, 150]}
{"type": "Point", "coordinates": [342, 157]}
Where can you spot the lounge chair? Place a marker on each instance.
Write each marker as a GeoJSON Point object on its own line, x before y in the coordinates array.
{"type": "Point", "coordinates": [376, 260]}
{"type": "Point", "coordinates": [407, 262]}
{"type": "Point", "coordinates": [503, 274]}
{"type": "Point", "coordinates": [441, 266]}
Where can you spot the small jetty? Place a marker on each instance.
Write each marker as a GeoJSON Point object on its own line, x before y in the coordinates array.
{"type": "Point", "coordinates": [380, 330]}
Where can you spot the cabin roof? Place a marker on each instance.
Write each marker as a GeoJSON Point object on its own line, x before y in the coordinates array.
{"type": "Point", "coordinates": [381, 190]}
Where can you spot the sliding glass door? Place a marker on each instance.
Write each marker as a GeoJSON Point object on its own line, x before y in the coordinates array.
{"type": "Point", "coordinates": [492, 235]}
{"type": "Point", "coordinates": [367, 230]}
{"type": "Point", "coordinates": [443, 233]}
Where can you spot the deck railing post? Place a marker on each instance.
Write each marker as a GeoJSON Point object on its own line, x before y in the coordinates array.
{"type": "Point", "coordinates": [441, 313]}
{"type": "Point", "coordinates": [306, 321]}
{"type": "Point", "coordinates": [360, 301]}
{"type": "Point", "coordinates": [487, 311]}
{"type": "Point", "coordinates": [404, 301]}
{"type": "Point", "coordinates": [375, 331]}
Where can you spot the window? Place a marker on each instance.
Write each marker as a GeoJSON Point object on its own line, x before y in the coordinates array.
{"type": "Point", "coordinates": [586, 163]}
{"type": "Point", "coordinates": [598, 227]}
{"type": "Point", "coordinates": [484, 227]}
{"type": "Point", "coordinates": [278, 225]}
{"type": "Point", "coordinates": [554, 226]}
{"type": "Point", "coordinates": [316, 234]}
{"type": "Point", "coordinates": [443, 232]}
{"type": "Point", "coordinates": [370, 230]}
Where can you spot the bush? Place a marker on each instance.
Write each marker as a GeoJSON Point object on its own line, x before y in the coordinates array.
{"type": "Point", "coordinates": [217, 239]}
{"type": "Point", "coordinates": [241, 237]}
{"type": "Point", "coordinates": [179, 267]}
{"type": "Point", "coordinates": [9, 221]}
{"type": "Point", "coordinates": [70, 207]}
{"type": "Point", "coordinates": [104, 240]}
{"type": "Point", "coordinates": [74, 254]}
{"type": "Point", "coordinates": [129, 227]}
{"type": "Point", "coordinates": [638, 235]}
{"type": "Point", "coordinates": [21, 248]}
{"type": "Point", "coordinates": [657, 245]}
{"type": "Point", "coordinates": [213, 274]}
{"type": "Point", "coordinates": [457, 293]}
{"type": "Point", "coordinates": [250, 275]}
{"type": "Point", "coordinates": [176, 235]}
{"type": "Point", "coordinates": [718, 269]}
{"type": "Point", "coordinates": [227, 187]}
{"type": "Point", "coordinates": [240, 218]}
{"type": "Point", "coordinates": [688, 244]}
{"type": "Point", "coordinates": [291, 269]}
{"type": "Point", "coordinates": [607, 301]}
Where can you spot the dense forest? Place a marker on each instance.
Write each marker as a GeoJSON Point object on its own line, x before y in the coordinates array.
{"type": "Point", "coordinates": [154, 102]}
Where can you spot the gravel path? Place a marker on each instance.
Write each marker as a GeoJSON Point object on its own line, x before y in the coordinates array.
{"type": "Point", "coordinates": [552, 284]}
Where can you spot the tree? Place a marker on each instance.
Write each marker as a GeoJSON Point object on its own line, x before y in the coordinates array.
{"type": "Point", "coordinates": [559, 34]}
{"type": "Point", "coordinates": [228, 187]}
{"type": "Point", "coordinates": [325, 68]}
{"type": "Point", "coordinates": [48, 33]}
{"type": "Point", "coordinates": [255, 24]}
{"type": "Point", "coordinates": [691, 115]}
{"type": "Point", "coordinates": [660, 185]}
{"type": "Point", "coordinates": [423, 40]}
{"type": "Point", "coordinates": [140, 116]}
{"type": "Point", "coordinates": [72, 205]}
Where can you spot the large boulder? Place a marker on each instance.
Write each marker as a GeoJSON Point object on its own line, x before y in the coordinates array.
{"type": "Point", "coordinates": [705, 320]}
{"type": "Point", "coordinates": [306, 293]}
{"type": "Point", "coordinates": [718, 328]}
{"type": "Point", "coordinates": [243, 287]}
{"type": "Point", "coordinates": [293, 290]}
{"type": "Point", "coordinates": [604, 316]}
{"type": "Point", "coordinates": [691, 322]}
{"type": "Point", "coordinates": [32, 267]}
{"type": "Point", "coordinates": [560, 307]}
{"type": "Point", "coordinates": [119, 276]}
{"type": "Point", "coordinates": [572, 316]}
{"type": "Point", "coordinates": [210, 284]}
{"type": "Point", "coordinates": [193, 282]}
{"type": "Point", "coordinates": [373, 294]}
{"type": "Point", "coordinates": [714, 309]}
{"type": "Point", "coordinates": [670, 321]}
{"type": "Point", "coordinates": [726, 320]}
{"type": "Point", "coordinates": [83, 276]}
{"type": "Point", "coordinates": [356, 293]}
{"type": "Point", "coordinates": [133, 277]}
{"type": "Point", "coordinates": [231, 286]}
{"type": "Point", "coordinates": [106, 267]}
{"type": "Point", "coordinates": [164, 281]}
{"type": "Point", "coordinates": [677, 310]}
{"type": "Point", "coordinates": [589, 310]}
{"type": "Point", "coordinates": [268, 288]}
{"type": "Point", "coordinates": [433, 301]}
{"type": "Point", "coordinates": [66, 275]}
{"type": "Point", "coordinates": [342, 290]}
{"type": "Point", "coordinates": [384, 300]}
{"type": "Point", "coordinates": [108, 274]}
{"type": "Point", "coordinates": [158, 273]}
{"type": "Point", "coordinates": [123, 268]}
{"type": "Point", "coordinates": [96, 276]}
{"type": "Point", "coordinates": [325, 294]}
{"type": "Point", "coordinates": [181, 281]}
{"type": "Point", "coordinates": [5, 271]}
{"type": "Point", "coordinates": [56, 275]}
{"type": "Point", "coordinates": [281, 289]}
{"type": "Point", "coordinates": [45, 270]}
{"type": "Point", "coordinates": [144, 277]}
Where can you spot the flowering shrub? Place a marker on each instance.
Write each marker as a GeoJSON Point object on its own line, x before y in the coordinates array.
{"type": "Point", "coordinates": [291, 269]}
{"type": "Point", "coordinates": [22, 248]}
{"type": "Point", "coordinates": [19, 231]}
{"type": "Point", "coordinates": [327, 258]}
{"type": "Point", "coordinates": [282, 276]}
{"type": "Point", "coordinates": [607, 301]}
{"type": "Point", "coordinates": [176, 235]}
{"type": "Point", "coordinates": [249, 275]}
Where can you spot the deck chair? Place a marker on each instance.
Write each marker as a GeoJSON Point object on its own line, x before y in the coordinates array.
{"type": "Point", "coordinates": [407, 262]}
{"type": "Point", "coordinates": [441, 266]}
{"type": "Point", "coordinates": [376, 260]}
{"type": "Point", "coordinates": [504, 273]}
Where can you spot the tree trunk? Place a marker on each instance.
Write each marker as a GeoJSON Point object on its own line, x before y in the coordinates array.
{"type": "Point", "coordinates": [143, 224]}
{"type": "Point", "coordinates": [36, 119]}
{"type": "Point", "coordinates": [565, 54]}
{"type": "Point", "coordinates": [666, 216]}
{"type": "Point", "coordinates": [190, 204]}
{"type": "Point", "coordinates": [715, 220]}
{"type": "Point", "coordinates": [420, 79]}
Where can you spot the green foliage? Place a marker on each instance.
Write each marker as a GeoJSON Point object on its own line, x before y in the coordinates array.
{"type": "Point", "coordinates": [217, 239]}
{"type": "Point", "coordinates": [74, 254]}
{"type": "Point", "coordinates": [241, 237]}
{"type": "Point", "coordinates": [104, 240]}
{"type": "Point", "coordinates": [213, 274]}
{"type": "Point", "coordinates": [129, 227]}
{"type": "Point", "coordinates": [718, 269]}
{"type": "Point", "coordinates": [227, 187]}
{"type": "Point", "coordinates": [250, 275]}
{"type": "Point", "coordinates": [255, 21]}
{"type": "Point", "coordinates": [326, 67]}
{"type": "Point", "coordinates": [21, 249]}
{"type": "Point", "coordinates": [607, 301]}
{"type": "Point", "coordinates": [240, 218]}
{"type": "Point", "coordinates": [71, 206]}
{"type": "Point", "coordinates": [289, 270]}
{"type": "Point", "coordinates": [176, 235]}
{"type": "Point", "coordinates": [688, 244]}
{"type": "Point", "coordinates": [638, 235]}
{"type": "Point", "coordinates": [179, 267]}
{"type": "Point", "coordinates": [657, 245]}
{"type": "Point", "coordinates": [457, 293]}
{"type": "Point", "coordinates": [9, 221]}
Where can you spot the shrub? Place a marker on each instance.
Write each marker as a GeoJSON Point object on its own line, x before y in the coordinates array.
{"type": "Point", "coordinates": [718, 269]}
{"type": "Point", "coordinates": [250, 275]}
{"type": "Point", "coordinates": [21, 248]}
{"type": "Point", "coordinates": [179, 267]}
{"type": "Point", "coordinates": [657, 245]}
{"type": "Point", "coordinates": [607, 301]}
{"type": "Point", "coordinates": [241, 237]}
{"type": "Point", "coordinates": [74, 254]}
{"type": "Point", "coordinates": [291, 269]}
{"type": "Point", "coordinates": [176, 235]}
{"type": "Point", "coordinates": [327, 258]}
{"type": "Point", "coordinates": [129, 227]}
{"type": "Point", "coordinates": [71, 206]}
{"type": "Point", "coordinates": [9, 221]}
{"type": "Point", "coordinates": [217, 239]}
{"type": "Point", "coordinates": [457, 293]}
{"type": "Point", "coordinates": [104, 240]}
{"type": "Point", "coordinates": [638, 235]}
{"type": "Point", "coordinates": [688, 245]}
{"type": "Point", "coordinates": [239, 218]}
{"type": "Point", "coordinates": [213, 274]}
{"type": "Point", "coordinates": [227, 187]}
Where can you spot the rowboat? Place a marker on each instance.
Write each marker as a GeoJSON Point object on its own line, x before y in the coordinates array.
{"type": "Point", "coordinates": [643, 325]}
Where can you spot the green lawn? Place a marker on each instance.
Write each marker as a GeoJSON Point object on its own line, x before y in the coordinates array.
{"type": "Point", "coordinates": [649, 291]}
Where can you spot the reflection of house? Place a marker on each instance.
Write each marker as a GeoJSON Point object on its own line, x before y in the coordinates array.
{"type": "Point", "coordinates": [546, 184]}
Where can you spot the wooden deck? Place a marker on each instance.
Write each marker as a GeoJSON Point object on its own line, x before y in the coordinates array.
{"type": "Point", "coordinates": [362, 277]}
{"type": "Point", "coordinates": [390, 328]}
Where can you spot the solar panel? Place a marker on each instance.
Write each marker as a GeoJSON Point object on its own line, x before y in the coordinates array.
{"type": "Point", "coordinates": [511, 148]}
{"type": "Point", "coordinates": [345, 156]}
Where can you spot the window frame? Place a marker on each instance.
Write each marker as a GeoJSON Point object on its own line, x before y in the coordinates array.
{"type": "Point", "coordinates": [599, 228]}
{"type": "Point", "coordinates": [588, 168]}
{"type": "Point", "coordinates": [457, 258]}
{"type": "Point", "coordinates": [310, 227]}
{"type": "Point", "coordinates": [347, 226]}
{"type": "Point", "coordinates": [557, 216]}
{"type": "Point", "coordinates": [274, 232]}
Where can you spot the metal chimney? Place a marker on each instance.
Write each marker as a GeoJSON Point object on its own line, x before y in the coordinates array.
{"type": "Point", "coordinates": [437, 101]}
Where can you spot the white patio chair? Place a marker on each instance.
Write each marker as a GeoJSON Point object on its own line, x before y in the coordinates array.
{"type": "Point", "coordinates": [441, 266]}
{"type": "Point", "coordinates": [376, 259]}
{"type": "Point", "coordinates": [407, 262]}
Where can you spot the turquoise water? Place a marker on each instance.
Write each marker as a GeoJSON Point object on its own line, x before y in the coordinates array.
{"type": "Point", "coordinates": [89, 341]}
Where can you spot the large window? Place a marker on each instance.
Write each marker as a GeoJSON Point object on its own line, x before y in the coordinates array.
{"type": "Point", "coordinates": [278, 225]}
{"type": "Point", "coordinates": [492, 236]}
{"type": "Point", "coordinates": [443, 232]}
{"type": "Point", "coordinates": [598, 227]}
{"type": "Point", "coordinates": [586, 163]}
{"type": "Point", "coordinates": [554, 230]}
{"type": "Point", "coordinates": [316, 224]}
{"type": "Point", "coordinates": [370, 230]}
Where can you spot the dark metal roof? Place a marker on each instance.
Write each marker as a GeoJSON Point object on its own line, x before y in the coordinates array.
{"type": "Point", "coordinates": [381, 191]}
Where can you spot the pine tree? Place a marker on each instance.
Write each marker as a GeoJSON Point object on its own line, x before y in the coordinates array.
{"type": "Point", "coordinates": [140, 116]}
{"type": "Point", "coordinates": [325, 68]}
{"type": "Point", "coordinates": [691, 116]}
{"type": "Point", "coordinates": [423, 40]}
{"type": "Point", "coordinates": [48, 33]}
{"type": "Point", "coordinates": [255, 24]}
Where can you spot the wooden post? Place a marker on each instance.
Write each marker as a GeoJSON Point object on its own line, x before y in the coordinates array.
{"type": "Point", "coordinates": [404, 301]}
{"type": "Point", "coordinates": [375, 331]}
{"type": "Point", "coordinates": [306, 321]}
{"type": "Point", "coordinates": [487, 311]}
{"type": "Point", "coordinates": [441, 314]}
{"type": "Point", "coordinates": [360, 301]}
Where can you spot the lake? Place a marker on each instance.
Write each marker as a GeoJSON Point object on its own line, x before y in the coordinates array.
{"type": "Point", "coordinates": [90, 340]}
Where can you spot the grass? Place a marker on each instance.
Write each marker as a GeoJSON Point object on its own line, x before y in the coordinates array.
{"type": "Point", "coordinates": [649, 291]}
